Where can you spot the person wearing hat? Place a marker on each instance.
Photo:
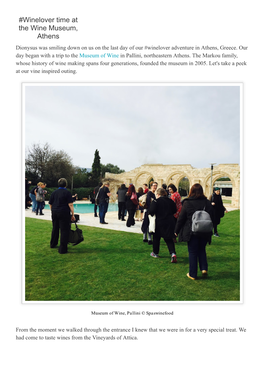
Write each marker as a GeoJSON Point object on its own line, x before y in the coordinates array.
{"type": "Point", "coordinates": [218, 207]}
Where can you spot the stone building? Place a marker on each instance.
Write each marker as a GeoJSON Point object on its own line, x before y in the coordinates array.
{"type": "Point", "coordinates": [175, 173]}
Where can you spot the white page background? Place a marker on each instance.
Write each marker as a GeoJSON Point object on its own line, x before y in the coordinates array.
{"type": "Point", "coordinates": [127, 23]}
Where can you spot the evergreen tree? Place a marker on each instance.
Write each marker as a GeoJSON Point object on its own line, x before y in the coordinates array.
{"type": "Point", "coordinates": [96, 167]}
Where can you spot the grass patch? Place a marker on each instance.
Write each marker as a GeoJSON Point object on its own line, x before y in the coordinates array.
{"type": "Point", "coordinates": [116, 266]}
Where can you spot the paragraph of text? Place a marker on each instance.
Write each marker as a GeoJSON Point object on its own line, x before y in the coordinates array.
{"type": "Point", "coordinates": [70, 59]}
{"type": "Point", "coordinates": [111, 334]}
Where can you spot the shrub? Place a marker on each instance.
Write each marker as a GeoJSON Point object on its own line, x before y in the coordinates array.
{"type": "Point", "coordinates": [83, 192]}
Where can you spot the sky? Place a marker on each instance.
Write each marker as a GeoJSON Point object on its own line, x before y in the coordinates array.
{"type": "Point", "coordinates": [132, 125]}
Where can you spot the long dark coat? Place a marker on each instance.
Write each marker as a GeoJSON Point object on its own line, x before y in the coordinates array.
{"type": "Point", "coordinates": [164, 209]}
{"type": "Point", "coordinates": [145, 223]}
{"type": "Point", "coordinates": [219, 208]}
{"type": "Point", "coordinates": [184, 222]}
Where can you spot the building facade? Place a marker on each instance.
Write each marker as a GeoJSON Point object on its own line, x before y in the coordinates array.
{"type": "Point", "coordinates": [167, 174]}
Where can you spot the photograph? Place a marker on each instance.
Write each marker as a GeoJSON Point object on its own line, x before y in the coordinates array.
{"type": "Point", "coordinates": [139, 184]}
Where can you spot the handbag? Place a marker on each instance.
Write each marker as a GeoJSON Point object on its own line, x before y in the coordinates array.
{"type": "Point", "coordinates": [134, 198]}
{"type": "Point", "coordinates": [39, 198]}
{"type": "Point", "coordinates": [143, 201]}
{"type": "Point", "coordinates": [152, 223]}
{"type": "Point", "coordinates": [96, 198]}
{"type": "Point", "coordinates": [75, 237]}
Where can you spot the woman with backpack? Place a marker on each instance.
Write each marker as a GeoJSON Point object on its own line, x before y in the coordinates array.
{"type": "Point", "coordinates": [196, 242]}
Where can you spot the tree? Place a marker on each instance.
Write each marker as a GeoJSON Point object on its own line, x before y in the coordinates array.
{"type": "Point", "coordinates": [59, 165]}
{"type": "Point", "coordinates": [81, 177]}
{"type": "Point", "coordinates": [96, 167]}
{"type": "Point", "coordinates": [109, 167]}
{"type": "Point", "coordinates": [45, 164]}
{"type": "Point", "coordinates": [36, 162]}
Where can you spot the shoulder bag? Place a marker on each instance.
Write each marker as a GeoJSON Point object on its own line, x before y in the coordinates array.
{"type": "Point", "coordinates": [75, 237]}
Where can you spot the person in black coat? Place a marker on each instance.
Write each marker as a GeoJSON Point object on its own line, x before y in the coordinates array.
{"type": "Point", "coordinates": [196, 242]}
{"type": "Point", "coordinates": [95, 192]}
{"type": "Point", "coordinates": [145, 225]}
{"type": "Point", "coordinates": [121, 198]}
{"type": "Point", "coordinates": [62, 213]}
{"type": "Point", "coordinates": [27, 199]}
{"type": "Point", "coordinates": [218, 208]}
{"type": "Point", "coordinates": [164, 209]}
{"type": "Point", "coordinates": [131, 205]}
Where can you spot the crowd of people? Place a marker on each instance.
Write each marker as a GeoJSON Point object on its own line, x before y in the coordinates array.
{"type": "Point", "coordinates": [173, 217]}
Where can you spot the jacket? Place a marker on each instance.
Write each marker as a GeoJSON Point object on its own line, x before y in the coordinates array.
{"type": "Point", "coordinates": [145, 224]}
{"type": "Point", "coordinates": [218, 208]}
{"type": "Point", "coordinates": [129, 203]}
{"type": "Point", "coordinates": [164, 209]}
{"type": "Point", "coordinates": [184, 223]}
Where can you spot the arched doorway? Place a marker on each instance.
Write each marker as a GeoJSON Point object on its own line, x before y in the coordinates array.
{"type": "Point", "coordinates": [225, 185]}
{"type": "Point", "coordinates": [184, 187]}
{"type": "Point", "coordinates": [143, 178]}
{"type": "Point", "coordinates": [149, 182]}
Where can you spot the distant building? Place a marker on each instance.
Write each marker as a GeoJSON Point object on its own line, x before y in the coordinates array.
{"type": "Point", "coordinates": [176, 173]}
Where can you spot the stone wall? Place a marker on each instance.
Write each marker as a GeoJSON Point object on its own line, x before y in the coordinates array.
{"type": "Point", "coordinates": [174, 174]}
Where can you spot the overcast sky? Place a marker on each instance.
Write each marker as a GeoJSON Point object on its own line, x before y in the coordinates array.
{"type": "Point", "coordinates": [135, 125]}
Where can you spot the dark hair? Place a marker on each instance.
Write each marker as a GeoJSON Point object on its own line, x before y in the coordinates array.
{"type": "Point", "coordinates": [62, 182]}
{"type": "Point", "coordinates": [140, 190]}
{"type": "Point", "coordinates": [100, 184]}
{"type": "Point", "coordinates": [173, 187]}
{"type": "Point", "coordinates": [131, 189]}
{"type": "Point", "coordinates": [196, 191]}
{"type": "Point", "coordinates": [164, 186]}
{"type": "Point", "coordinates": [123, 186]}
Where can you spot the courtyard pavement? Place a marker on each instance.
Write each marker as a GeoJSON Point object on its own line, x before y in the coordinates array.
{"type": "Point", "coordinates": [91, 221]}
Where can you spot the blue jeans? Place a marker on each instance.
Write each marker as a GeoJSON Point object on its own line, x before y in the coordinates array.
{"type": "Point", "coordinates": [197, 253]}
{"type": "Point", "coordinates": [103, 206]}
{"type": "Point", "coordinates": [39, 207]}
{"type": "Point", "coordinates": [34, 202]}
